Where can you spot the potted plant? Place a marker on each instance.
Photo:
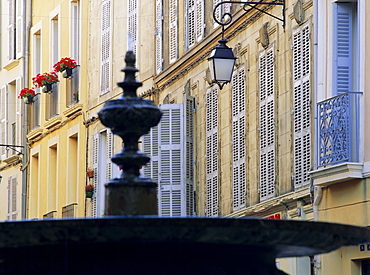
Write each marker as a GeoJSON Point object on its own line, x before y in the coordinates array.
{"type": "Point", "coordinates": [90, 172]}
{"type": "Point", "coordinates": [65, 65]}
{"type": "Point", "coordinates": [89, 190]}
{"type": "Point", "coordinates": [45, 80]}
{"type": "Point", "coordinates": [27, 95]}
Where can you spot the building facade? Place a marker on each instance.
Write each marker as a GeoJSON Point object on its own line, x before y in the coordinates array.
{"type": "Point", "coordinates": [56, 138]}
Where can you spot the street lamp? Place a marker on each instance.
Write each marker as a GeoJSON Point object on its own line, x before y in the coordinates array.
{"type": "Point", "coordinates": [221, 61]}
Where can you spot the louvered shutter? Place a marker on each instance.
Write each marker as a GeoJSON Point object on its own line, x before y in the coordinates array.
{"type": "Point", "coordinates": [3, 122]}
{"type": "Point", "coordinates": [170, 147]}
{"type": "Point", "coordinates": [158, 36]}
{"type": "Point", "coordinates": [222, 9]}
{"type": "Point", "coordinates": [95, 167]}
{"type": "Point", "coordinates": [12, 198]}
{"type": "Point", "coordinates": [173, 30]}
{"type": "Point", "coordinates": [238, 138]}
{"type": "Point", "coordinates": [194, 21]}
{"type": "Point", "coordinates": [302, 100]}
{"type": "Point", "coordinates": [342, 71]}
{"type": "Point", "coordinates": [267, 125]}
{"type": "Point", "coordinates": [171, 185]}
{"type": "Point", "coordinates": [199, 19]}
{"type": "Point", "coordinates": [75, 31]}
{"type": "Point", "coordinates": [132, 23]}
{"type": "Point", "coordinates": [105, 46]}
{"type": "Point", "coordinates": [19, 29]}
{"type": "Point", "coordinates": [212, 202]}
{"type": "Point", "coordinates": [19, 86]}
{"type": "Point", "coordinates": [109, 153]}
{"type": "Point", "coordinates": [11, 28]}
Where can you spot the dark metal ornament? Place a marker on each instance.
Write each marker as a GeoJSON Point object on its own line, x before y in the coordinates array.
{"type": "Point", "coordinates": [130, 117]}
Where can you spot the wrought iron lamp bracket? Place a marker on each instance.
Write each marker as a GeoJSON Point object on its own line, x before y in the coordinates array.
{"type": "Point", "coordinates": [226, 18]}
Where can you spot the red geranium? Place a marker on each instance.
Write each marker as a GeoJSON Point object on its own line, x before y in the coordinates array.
{"type": "Point", "coordinates": [46, 78]}
{"type": "Point", "coordinates": [64, 63]}
{"type": "Point", "coordinates": [26, 92]}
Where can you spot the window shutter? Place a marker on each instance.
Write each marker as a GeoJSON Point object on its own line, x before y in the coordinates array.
{"type": "Point", "coordinates": [158, 36]}
{"type": "Point", "coordinates": [173, 30]}
{"type": "Point", "coordinates": [95, 167]}
{"type": "Point", "coordinates": [212, 152]}
{"type": "Point", "coordinates": [342, 72]}
{"type": "Point", "coordinates": [11, 30]}
{"type": "Point", "coordinates": [170, 145]}
{"type": "Point", "coordinates": [199, 19]}
{"type": "Point", "coordinates": [19, 29]}
{"type": "Point", "coordinates": [75, 31]}
{"type": "Point", "coordinates": [3, 122]}
{"type": "Point", "coordinates": [19, 86]}
{"type": "Point", "coordinates": [302, 112]}
{"type": "Point", "coordinates": [105, 48]}
{"type": "Point", "coordinates": [267, 127]}
{"type": "Point", "coordinates": [109, 153]}
{"type": "Point", "coordinates": [238, 138]}
{"type": "Point", "coordinates": [12, 198]}
{"type": "Point", "coordinates": [132, 23]}
{"type": "Point", "coordinates": [222, 9]}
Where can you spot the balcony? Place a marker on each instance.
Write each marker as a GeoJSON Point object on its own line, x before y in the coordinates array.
{"type": "Point", "coordinates": [337, 133]}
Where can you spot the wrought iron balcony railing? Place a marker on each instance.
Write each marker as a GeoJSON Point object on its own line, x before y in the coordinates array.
{"type": "Point", "coordinates": [338, 129]}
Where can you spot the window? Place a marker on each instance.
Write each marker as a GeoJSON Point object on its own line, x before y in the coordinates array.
{"type": "Point", "coordinates": [238, 139]}
{"type": "Point", "coordinates": [52, 180]}
{"type": "Point", "coordinates": [75, 31]}
{"type": "Point", "coordinates": [170, 147]}
{"type": "Point", "coordinates": [344, 41]}
{"type": "Point", "coordinates": [12, 198]}
{"type": "Point", "coordinates": [73, 87]}
{"type": "Point", "coordinates": [267, 124]}
{"type": "Point", "coordinates": [194, 21]}
{"type": "Point", "coordinates": [132, 24]}
{"type": "Point", "coordinates": [159, 36]}
{"type": "Point", "coordinates": [105, 47]}
{"type": "Point", "coordinates": [212, 203]}
{"type": "Point", "coordinates": [12, 30]}
{"type": "Point", "coordinates": [222, 9]}
{"type": "Point", "coordinates": [102, 150]}
{"type": "Point", "coordinates": [302, 105]}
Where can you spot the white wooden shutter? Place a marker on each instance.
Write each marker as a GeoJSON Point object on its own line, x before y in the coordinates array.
{"type": "Point", "coordinates": [238, 138]}
{"type": "Point", "coordinates": [11, 30]}
{"type": "Point", "coordinates": [109, 153]}
{"type": "Point", "coordinates": [267, 124]}
{"type": "Point", "coordinates": [212, 200]}
{"type": "Point", "coordinates": [75, 31]}
{"type": "Point", "coordinates": [95, 167]}
{"type": "Point", "coordinates": [199, 19]}
{"type": "Point", "coordinates": [132, 23]}
{"type": "Point", "coordinates": [18, 115]}
{"type": "Point", "coordinates": [171, 191]}
{"type": "Point", "coordinates": [170, 147]}
{"type": "Point", "coordinates": [302, 106]}
{"type": "Point", "coordinates": [173, 30]}
{"type": "Point", "coordinates": [342, 72]}
{"type": "Point", "coordinates": [19, 28]}
{"type": "Point", "coordinates": [12, 198]}
{"type": "Point", "coordinates": [3, 122]}
{"type": "Point", "coordinates": [158, 36]}
{"type": "Point", "coordinates": [222, 9]}
{"type": "Point", "coordinates": [105, 47]}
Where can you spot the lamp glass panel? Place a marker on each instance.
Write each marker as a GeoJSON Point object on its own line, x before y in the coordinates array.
{"type": "Point", "coordinates": [223, 69]}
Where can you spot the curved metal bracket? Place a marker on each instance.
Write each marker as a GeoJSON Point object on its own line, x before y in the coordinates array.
{"type": "Point", "coordinates": [226, 18]}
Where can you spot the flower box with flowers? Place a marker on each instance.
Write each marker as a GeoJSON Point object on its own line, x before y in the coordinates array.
{"type": "Point", "coordinates": [27, 95]}
{"type": "Point", "coordinates": [65, 65]}
{"type": "Point", "coordinates": [45, 80]}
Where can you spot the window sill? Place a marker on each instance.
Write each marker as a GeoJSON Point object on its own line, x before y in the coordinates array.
{"type": "Point", "coordinates": [12, 64]}
{"type": "Point", "coordinates": [12, 159]}
{"type": "Point", "coordinates": [53, 122]}
{"type": "Point", "coordinates": [34, 134]}
{"type": "Point", "coordinates": [72, 110]}
{"type": "Point", "coordinates": [327, 176]}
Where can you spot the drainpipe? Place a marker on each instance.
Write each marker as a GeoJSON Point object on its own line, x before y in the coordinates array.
{"type": "Point", "coordinates": [26, 50]}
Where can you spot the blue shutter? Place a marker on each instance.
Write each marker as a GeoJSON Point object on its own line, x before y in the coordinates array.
{"type": "Point", "coordinates": [342, 71]}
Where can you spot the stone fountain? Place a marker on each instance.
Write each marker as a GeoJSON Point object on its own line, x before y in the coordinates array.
{"type": "Point", "coordinates": [131, 239]}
